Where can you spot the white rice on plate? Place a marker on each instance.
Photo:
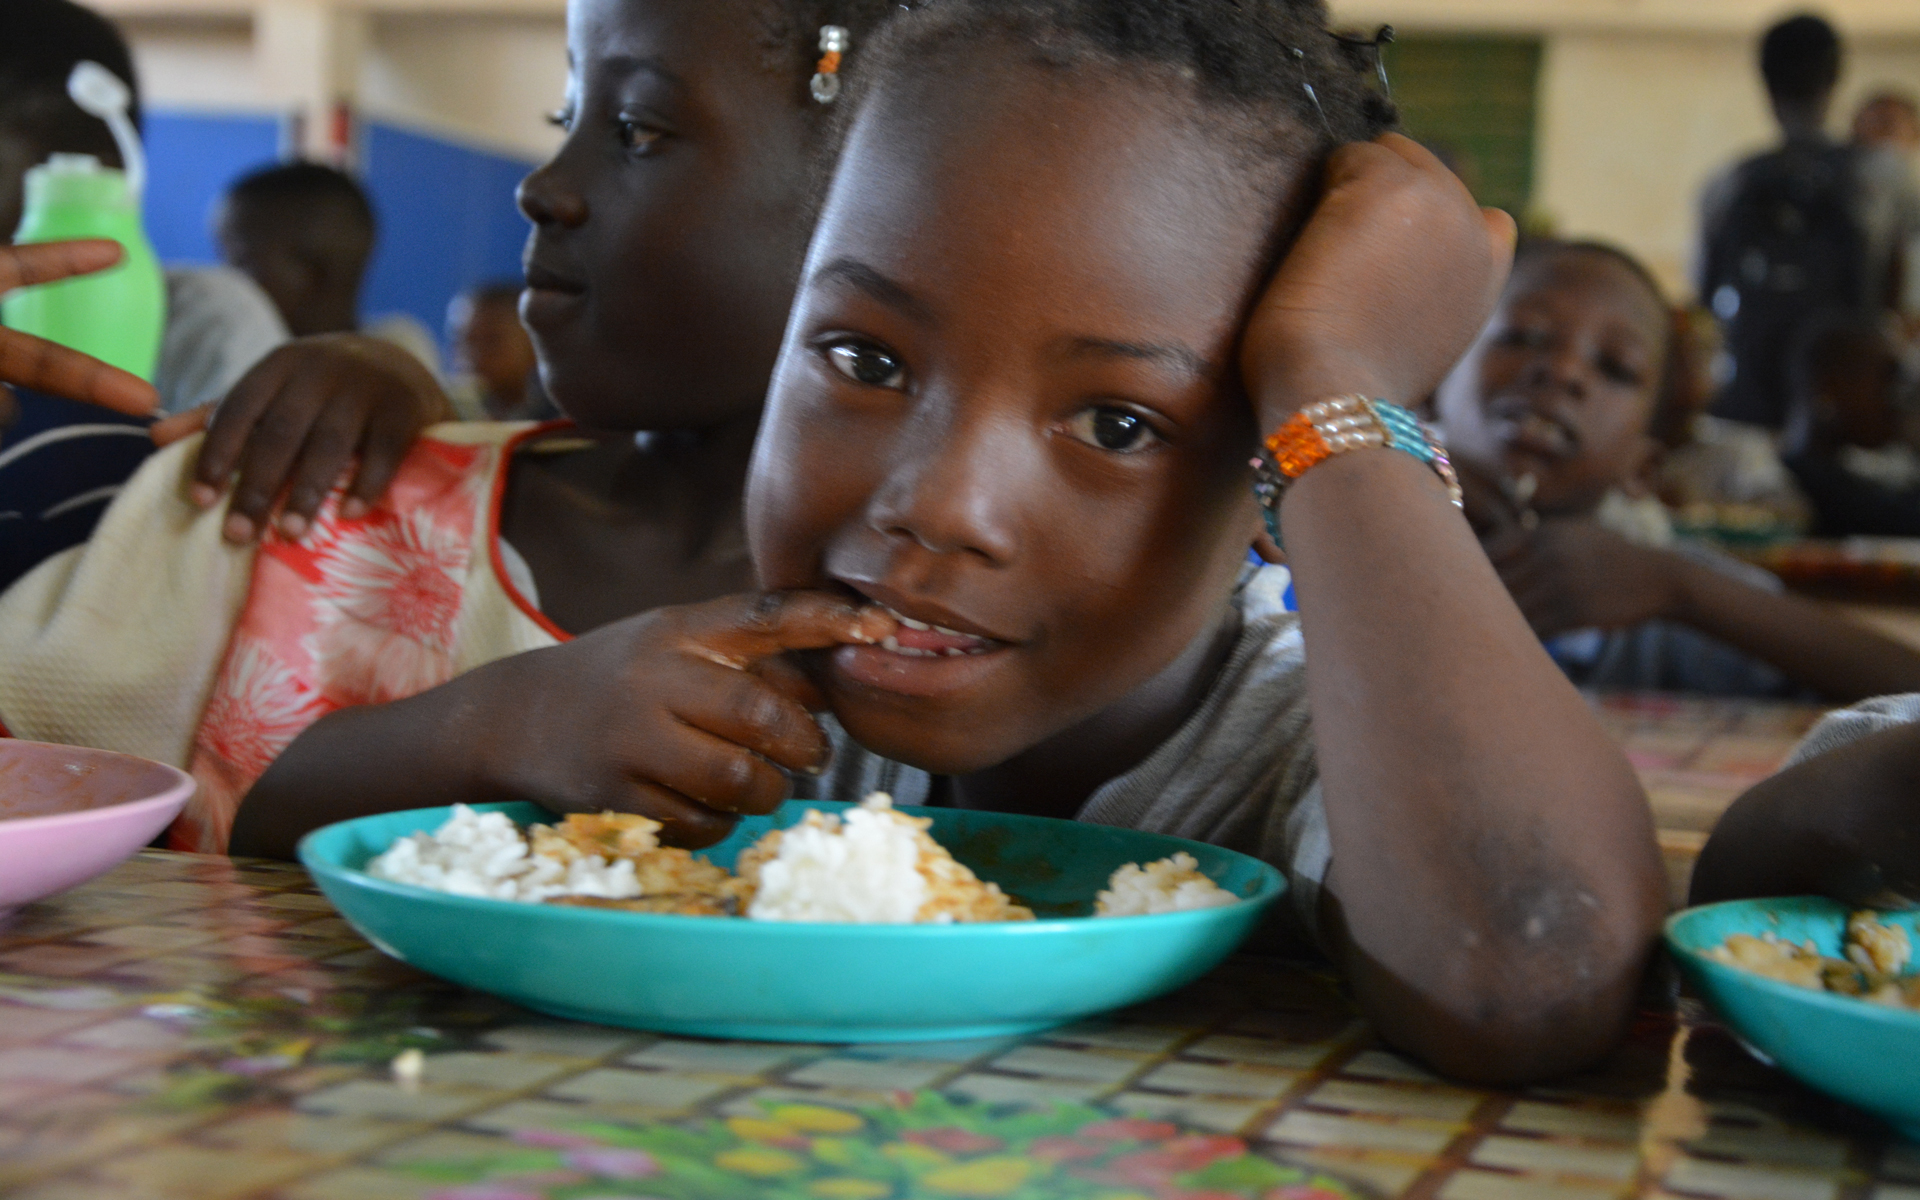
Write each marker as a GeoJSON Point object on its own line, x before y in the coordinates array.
{"type": "Point", "coordinates": [870, 865]}
{"type": "Point", "coordinates": [1169, 885]}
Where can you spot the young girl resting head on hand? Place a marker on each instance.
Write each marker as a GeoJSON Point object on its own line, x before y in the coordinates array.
{"type": "Point", "coordinates": [668, 232]}
{"type": "Point", "coordinates": [1002, 504]}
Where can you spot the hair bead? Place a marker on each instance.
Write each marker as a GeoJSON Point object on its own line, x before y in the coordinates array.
{"type": "Point", "coordinates": [834, 43]}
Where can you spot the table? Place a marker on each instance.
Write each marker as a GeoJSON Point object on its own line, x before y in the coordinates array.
{"type": "Point", "coordinates": [190, 1026]}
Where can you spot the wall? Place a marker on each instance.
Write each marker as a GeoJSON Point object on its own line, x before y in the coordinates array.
{"type": "Point", "coordinates": [1632, 125]}
{"type": "Point", "coordinates": [452, 114]}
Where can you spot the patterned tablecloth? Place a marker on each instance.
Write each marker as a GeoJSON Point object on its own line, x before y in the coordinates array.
{"type": "Point", "coordinates": [200, 1027]}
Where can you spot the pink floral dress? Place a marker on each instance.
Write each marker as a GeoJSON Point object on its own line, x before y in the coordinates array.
{"type": "Point", "coordinates": [356, 612]}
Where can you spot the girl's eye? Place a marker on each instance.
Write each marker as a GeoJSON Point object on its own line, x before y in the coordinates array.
{"type": "Point", "coordinates": [635, 136]}
{"type": "Point", "coordinates": [1113, 429]}
{"type": "Point", "coordinates": [1619, 371]}
{"type": "Point", "coordinates": [866, 363]}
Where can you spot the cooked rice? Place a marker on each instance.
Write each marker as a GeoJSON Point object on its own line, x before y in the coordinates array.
{"type": "Point", "coordinates": [484, 854]}
{"type": "Point", "coordinates": [870, 865]}
{"type": "Point", "coordinates": [875, 866]}
{"type": "Point", "coordinates": [1170, 885]}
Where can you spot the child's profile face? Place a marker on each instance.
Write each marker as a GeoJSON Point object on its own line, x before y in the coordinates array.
{"type": "Point", "coordinates": [1561, 384]}
{"type": "Point", "coordinates": [1006, 405]}
{"type": "Point", "coordinates": [668, 226]}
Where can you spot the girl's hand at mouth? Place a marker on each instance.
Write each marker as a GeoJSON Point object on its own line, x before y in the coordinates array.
{"type": "Point", "coordinates": [685, 714]}
{"type": "Point", "coordinates": [1339, 315]}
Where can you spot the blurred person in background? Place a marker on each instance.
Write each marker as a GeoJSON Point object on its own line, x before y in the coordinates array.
{"type": "Point", "coordinates": [496, 375]}
{"type": "Point", "coordinates": [218, 323]}
{"type": "Point", "coordinates": [1811, 228]}
{"type": "Point", "coordinates": [1844, 438]}
{"type": "Point", "coordinates": [1889, 121]}
{"type": "Point", "coordinates": [305, 232]}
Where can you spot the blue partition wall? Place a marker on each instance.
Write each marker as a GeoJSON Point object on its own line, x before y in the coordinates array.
{"type": "Point", "coordinates": [447, 215]}
{"type": "Point", "coordinates": [447, 220]}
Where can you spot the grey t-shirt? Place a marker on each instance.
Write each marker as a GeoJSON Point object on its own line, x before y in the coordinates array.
{"type": "Point", "coordinates": [1845, 725]}
{"type": "Point", "coordinates": [1239, 773]}
{"type": "Point", "coordinates": [219, 324]}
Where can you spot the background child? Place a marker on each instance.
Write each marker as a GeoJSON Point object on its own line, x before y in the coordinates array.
{"type": "Point", "coordinates": [661, 265]}
{"type": "Point", "coordinates": [497, 374]}
{"type": "Point", "coordinates": [304, 232]}
{"type": "Point", "coordinates": [1036, 461]}
{"type": "Point", "coordinates": [1555, 403]}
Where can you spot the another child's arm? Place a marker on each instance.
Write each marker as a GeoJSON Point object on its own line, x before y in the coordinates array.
{"type": "Point", "coordinates": [681, 713]}
{"type": "Point", "coordinates": [1495, 888]}
{"type": "Point", "coordinates": [304, 417]}
{"type": "Point", "coordinates": [29, 362]}
{"type": "Point", "coordinates": [1573, 574]}
{"type": "Point", "coordinates": [1845, 824]}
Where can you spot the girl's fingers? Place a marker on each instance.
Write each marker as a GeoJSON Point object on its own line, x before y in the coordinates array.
{"type": "Point", "coordinates": [42, 366]}
{"type": "Point", "coordinates": [232, 424]}
{"type": "Point", "coordinates": [685, 822]}
{"type": "Point", "coordinates": [714, 772]}
{"type": "Point", "coordinates": [324, 460]}
{"type": "Point", "coordinates": [739, 631]}
{"type": "Point", "coordinates": [382, 450]}
{"type": "Point", "coordinates": [748, 712]}
{"type": "Point", "coordinates": [266, 460]}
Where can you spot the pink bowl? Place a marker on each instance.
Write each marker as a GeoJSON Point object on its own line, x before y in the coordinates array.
{"type": "Point", "coordinates": [68, 814]}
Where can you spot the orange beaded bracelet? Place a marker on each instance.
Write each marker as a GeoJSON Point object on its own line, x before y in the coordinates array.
{"type": "Point", "coordinates": [1334, 426]}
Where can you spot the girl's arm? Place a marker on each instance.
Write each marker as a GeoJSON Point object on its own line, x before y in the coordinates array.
{"type": "Point", "coordinates": [1572, 574]}
{"type": "Point", "coordinates": [1495, 887]}
{"type": "Point", "coordinates": [1844, 824]}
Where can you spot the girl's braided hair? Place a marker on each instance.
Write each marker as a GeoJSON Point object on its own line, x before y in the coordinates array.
{"type": "Point", "coordinates": [1293, 89]}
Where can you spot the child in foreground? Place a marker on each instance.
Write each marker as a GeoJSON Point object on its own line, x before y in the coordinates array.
{"type": "Point", "coordinates": [1554, 409]}
{"type": "Point", "coordinates": [1001, 504]}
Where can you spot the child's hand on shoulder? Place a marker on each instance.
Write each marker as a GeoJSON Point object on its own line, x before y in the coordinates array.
{"type": "Point", "coordinates": [1390, 280]}
{"type": "Point", "coordinates": [294, 426]}
{"type": "Point", "coordinates": [684, 714]}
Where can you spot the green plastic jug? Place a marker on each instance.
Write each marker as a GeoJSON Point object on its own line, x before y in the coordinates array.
{"type": "Point", "coordinates": [117, 315]}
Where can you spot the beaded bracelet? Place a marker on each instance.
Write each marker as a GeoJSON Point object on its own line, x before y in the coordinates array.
{"type": "Point", "coordinates": [1334, 426]}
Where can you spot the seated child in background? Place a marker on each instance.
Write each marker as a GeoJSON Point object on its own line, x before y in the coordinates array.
{"type": "Point", "coordinates": [655, 306]}
{"type": "Point", "coordinates": [1006, 502]}
{"type": "Point", "coordinates": [1718, 474]}
{"type": "Point", "coordinates": [1843, 437]}
{"type": "Point", "coordinates": [1841, 819]}
{"type": "Point", "coordinates": [1552, 409]}
{"type": "Point", "coordinates": [496, 372]}
{"type": "Point", "coordinates": [304, 232]}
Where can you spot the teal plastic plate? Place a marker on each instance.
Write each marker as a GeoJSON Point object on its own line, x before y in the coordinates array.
{"type": "Point", "coordinates": [775, 981]}
{"type": "Point", "coordinates": [1863, 1053]}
